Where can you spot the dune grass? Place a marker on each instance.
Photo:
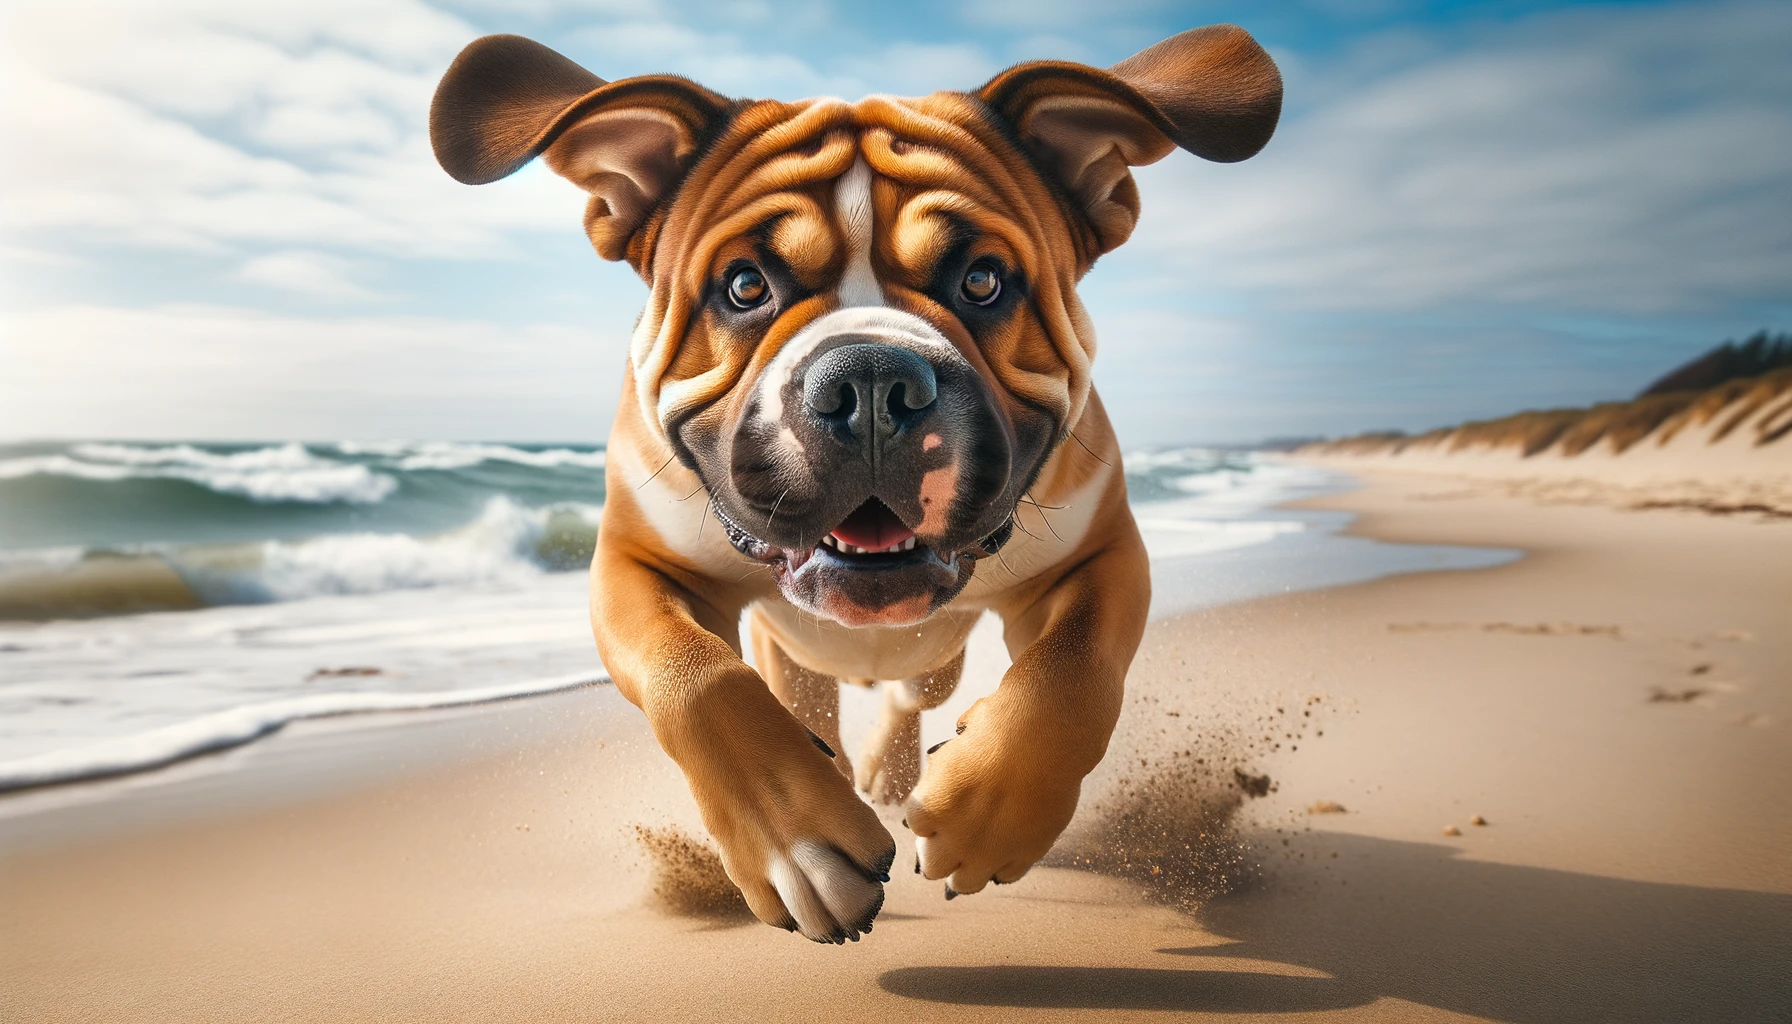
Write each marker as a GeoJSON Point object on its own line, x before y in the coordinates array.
{"type": "Point", "coordinates": [1764, 401]}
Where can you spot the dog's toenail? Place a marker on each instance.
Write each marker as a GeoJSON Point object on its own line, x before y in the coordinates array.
{"type": "Point", "coordinates": [820, 744]}
{"type": "Point", "coordinates": [951, 893]}
{"type": "Point", "coordinates": [936, 746]}
{"type": "Point", "coordinates": [917, 863]}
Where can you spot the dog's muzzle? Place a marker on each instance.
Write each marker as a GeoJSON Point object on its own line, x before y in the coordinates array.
{"type": "Point", "coordinates": [870, 469]}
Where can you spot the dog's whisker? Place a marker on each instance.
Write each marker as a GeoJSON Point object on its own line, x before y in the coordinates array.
{"type": "Point", "coordinates": [1086, 448]}
{"type": "Point", "coordinates": [1006, 566]}
{"type": "Point", "coordinates": [775, 504]}
{"type": "Point", "coordinates": [656, 472]}
{"type": "Point", "coordinates": [1044, 519]}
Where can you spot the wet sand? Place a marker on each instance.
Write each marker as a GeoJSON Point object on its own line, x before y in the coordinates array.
{"type": "Point", "coordinates": [1615, 706]}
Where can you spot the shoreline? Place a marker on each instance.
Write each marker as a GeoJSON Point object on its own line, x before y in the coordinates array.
{"type": "Point", "coordinates": [1631, 866]}
{"type": "Point", "coordinates": [1207, 549]}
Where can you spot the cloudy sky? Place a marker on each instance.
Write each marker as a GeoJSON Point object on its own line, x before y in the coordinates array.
{"type": "Point", "coordinates": [221, 219]}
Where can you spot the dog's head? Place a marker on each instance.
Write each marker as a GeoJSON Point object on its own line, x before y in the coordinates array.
{"type": "Point", "coordinates": [863, 333]}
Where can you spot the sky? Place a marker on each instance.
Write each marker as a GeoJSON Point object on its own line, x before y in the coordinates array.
{"type": "Point", "coordinates": [222, 220]}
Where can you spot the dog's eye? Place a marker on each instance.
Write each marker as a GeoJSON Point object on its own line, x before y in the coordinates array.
{"type": "Point", "coordinates": [981, 284]}
{"type": "Point", "coordinates": [747, 288]}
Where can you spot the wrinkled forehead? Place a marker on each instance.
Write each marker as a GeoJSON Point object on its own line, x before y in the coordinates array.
{"type": "Point", "coordinates": [810, 181]}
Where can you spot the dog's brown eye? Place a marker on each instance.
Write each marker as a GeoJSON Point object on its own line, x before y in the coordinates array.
{"type": "Point", "coordinates": [747, 288]}
{"type": "Point", "coordinates": [981, 284]}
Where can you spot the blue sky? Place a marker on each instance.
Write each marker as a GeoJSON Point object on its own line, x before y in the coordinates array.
{"type": "Point", "coordinates": [221, 220]}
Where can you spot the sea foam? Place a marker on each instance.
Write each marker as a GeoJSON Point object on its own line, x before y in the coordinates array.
{"type": "Point", "coordinates": [280, 473]}
{"type": "Point", "coordinates": [236, 726]}
{"type": "Point", "coordinates": [505, 544]}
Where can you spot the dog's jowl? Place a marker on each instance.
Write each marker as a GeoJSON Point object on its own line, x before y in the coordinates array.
{"type": "Point", "coordinates": [858, 405]}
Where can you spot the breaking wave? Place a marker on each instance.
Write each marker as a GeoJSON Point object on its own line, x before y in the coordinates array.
{"type": "Point", "coordinates": [506, 543]}
{"type": "Point", "coordinates": [288, 472]}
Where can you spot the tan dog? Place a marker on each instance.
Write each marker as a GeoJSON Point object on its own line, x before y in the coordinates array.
{"type": "Point", "coordinates": [858, 404]}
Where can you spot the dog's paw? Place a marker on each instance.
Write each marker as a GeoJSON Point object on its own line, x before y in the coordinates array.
{"type": "Point", "coordinates": [828, 896]}
{"type": "Point", "coordinates": [890, 763]}
{"type": "Point", "coordinates": [809, 865]}
{"type": "Point", "coordinates": [988, 807]}
{"type": "Point", "coordinates": [805, 851]}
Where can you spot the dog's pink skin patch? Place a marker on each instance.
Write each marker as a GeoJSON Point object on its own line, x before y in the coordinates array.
{"type": "Point", "coordinates": [938, 487]}
{"type": "Point", "coordinates": [902, 613]}
{"type": "Point", "coordinates": [931, 441]}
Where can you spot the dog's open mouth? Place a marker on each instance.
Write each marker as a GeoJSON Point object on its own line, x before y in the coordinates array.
{"type": "Point", "coordinates": [872, 537]}
{"type": "Point", "coordinates": [870, 568]}
{"type": "Point", "coordinates": [871, 531]}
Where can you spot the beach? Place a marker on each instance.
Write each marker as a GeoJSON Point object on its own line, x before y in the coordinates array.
{"type": "Point", "coordinates": [1266, 838]}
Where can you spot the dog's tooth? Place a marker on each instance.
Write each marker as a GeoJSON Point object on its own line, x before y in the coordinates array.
{"type": "Point", "coordinates": [909, 544]}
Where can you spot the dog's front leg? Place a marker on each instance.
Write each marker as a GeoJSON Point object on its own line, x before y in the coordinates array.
{"type": "Point", "coordinates": [995, 798]}
{"type": "Point", "coordinates": [806, 852]}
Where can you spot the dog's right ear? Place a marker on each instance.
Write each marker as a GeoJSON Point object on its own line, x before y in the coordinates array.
{"type": "Point", "coordinates": [507, 99]}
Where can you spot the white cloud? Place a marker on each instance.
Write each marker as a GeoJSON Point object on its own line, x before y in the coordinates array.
{"type": "Point", "coordinates": [311, 274]}
{"type": "Point", "coordinates": [1635, 162]}
{"type": "Point", "coordinates": [209, 372]}
{"type": "Point", "coordinates": [217, 126]}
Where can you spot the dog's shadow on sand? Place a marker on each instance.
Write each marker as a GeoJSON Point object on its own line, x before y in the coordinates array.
{"type": "Point", "coordinates": [1417, 922]}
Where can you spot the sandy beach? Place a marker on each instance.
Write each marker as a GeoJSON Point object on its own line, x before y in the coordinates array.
{"type": "Point", "coordinates": [1614, 706]}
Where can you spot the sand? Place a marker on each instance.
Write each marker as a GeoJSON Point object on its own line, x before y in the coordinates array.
{"type": "Point", "coordinates": [1632, 863]}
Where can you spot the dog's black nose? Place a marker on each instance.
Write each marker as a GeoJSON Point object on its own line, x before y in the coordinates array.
{"type": "Point", "coordinates": [865, 389]}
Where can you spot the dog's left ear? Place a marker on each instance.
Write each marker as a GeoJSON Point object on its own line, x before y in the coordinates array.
{"type": "Point", "coordinates": [1212, 91]}
{"type": "Point", "coordinates": [507, 99]}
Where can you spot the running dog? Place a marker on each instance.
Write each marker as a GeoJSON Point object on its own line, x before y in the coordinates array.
{"type": "Point", "coordinates": [857, 409]}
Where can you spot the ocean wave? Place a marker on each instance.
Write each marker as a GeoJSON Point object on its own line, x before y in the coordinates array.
{"type": "Point", "coordinates": [449, 455]}
{"type": "Point", "coordinates": [505, 543]}
{"type": "Point", "coordinates": [1178, 538]}
{"type": "Point", "coordinates": [236, 726]}
{"type": "Point", "coordinates": [281, 473]}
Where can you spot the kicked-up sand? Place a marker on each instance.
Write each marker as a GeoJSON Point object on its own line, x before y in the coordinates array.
{"type": "Point", "coordinates": [1552, 791]}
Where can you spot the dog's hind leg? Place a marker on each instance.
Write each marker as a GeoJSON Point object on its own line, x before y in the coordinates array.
{"type": "Point", "coordinates": [812, 697]}
{"type": "Point", "coordinates": [890, 763]}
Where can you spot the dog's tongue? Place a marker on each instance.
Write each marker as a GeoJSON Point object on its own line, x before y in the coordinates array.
{"type": "Point", "coordinates": [872, 526]}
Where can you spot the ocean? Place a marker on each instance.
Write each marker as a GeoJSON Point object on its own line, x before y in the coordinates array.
{"type": "Point", "coordinates": [163, 600]}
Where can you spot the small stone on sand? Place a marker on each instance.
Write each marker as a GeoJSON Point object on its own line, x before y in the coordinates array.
{"type": "Point", "coordinates": [1451, 830]}
{"type": "Point", "coordinates": [1477, 820]}
{"type": "Point", "coordinates": [1326, 807]}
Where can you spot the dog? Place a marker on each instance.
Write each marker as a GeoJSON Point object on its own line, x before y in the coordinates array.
{"type": "Point", "coordinates": [857, 410]}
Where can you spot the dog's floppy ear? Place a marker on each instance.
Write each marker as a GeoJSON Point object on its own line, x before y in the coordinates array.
{"type": "Point", "coordinates": [507, 99]}
{"type": "Point", "coordinates": [1212, 91]}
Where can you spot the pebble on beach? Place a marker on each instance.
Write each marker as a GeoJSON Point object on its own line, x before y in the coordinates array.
{"type": "Point", "coordinates": [1451, 830]}
{"type": "Point", "coordinates": [1477, 820]}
